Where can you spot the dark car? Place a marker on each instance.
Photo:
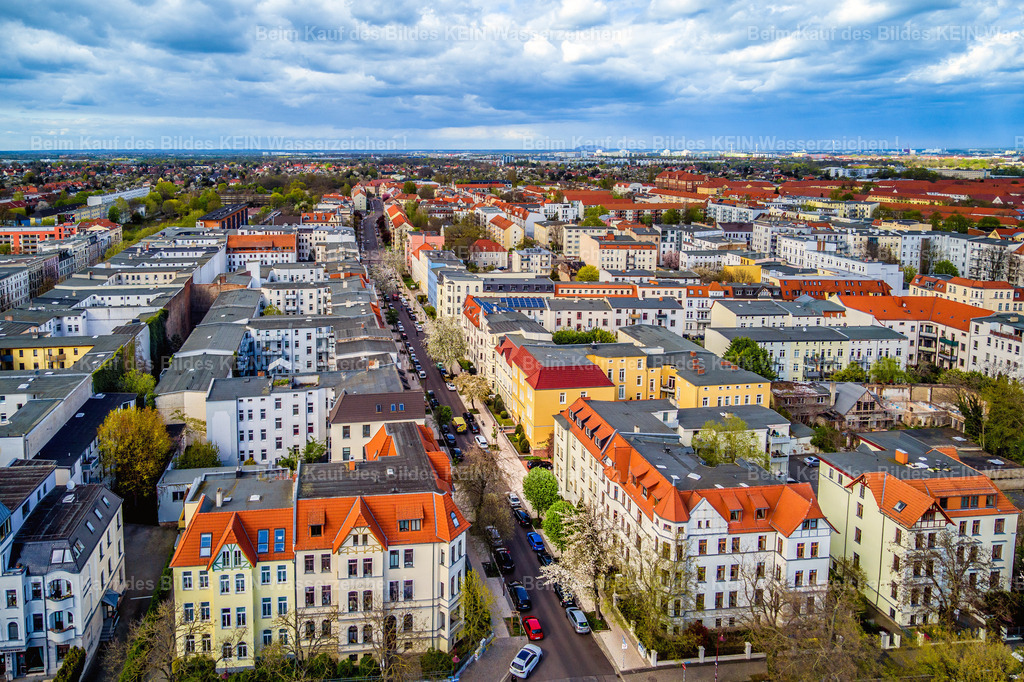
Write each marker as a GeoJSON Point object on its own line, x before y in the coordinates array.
{"type": "Point", "coordinates": [404, 336]}
{"type": "Point", "coordinates": [445, 429]}
{"type": "Point", "coordinates": [565, 596]}
{"type": "Point", "coordinates": [433, 399]}
{"type": "Point", "coordinates": [520, 597]}
{"type": "Point", "coordinates": [535, 463]}
{"type": "Point", "coordinates": [522, 518]}
{"type": "Point", "coordinates": [456, 454]}
{"type": "Point", "coordinates": [469, 417]}
{"type": "Point", "coordinates": [473, 428]}
{"type": "Point", "coordinates": [449, 438]}
{"type": "Point", "coordinates": [545, 558]}
{"type": "Point", "coordinates": [503, 558]}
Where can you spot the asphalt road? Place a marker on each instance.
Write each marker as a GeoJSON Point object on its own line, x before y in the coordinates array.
{"type": "Point", "coordinates": [567, 655]}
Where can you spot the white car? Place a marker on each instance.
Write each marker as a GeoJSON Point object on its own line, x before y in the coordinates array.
{"type": "Point", "coordinates": [812, 461]}
{"type": "Point", "coordinates": [449, 385]}
{"type": "Point", "coordinates": [514, 501]}
{"type": "Point", "coordinates": [422, 374]}
{"type": "Point", "coordinates": [525, 661]}
{"type": "Point", "coordinates": [481, 441]}
{"type": "Point", "coordinates": [578, 620]}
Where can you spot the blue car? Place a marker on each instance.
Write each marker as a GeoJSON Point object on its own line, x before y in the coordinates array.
{"type": "Point", "coordinates": [536, 541]}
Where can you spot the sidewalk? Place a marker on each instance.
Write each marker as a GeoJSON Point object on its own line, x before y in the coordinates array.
{"type": "Point", "coordinates": [493, 663]}
{"type": "Point", "coordinates": [611, 640]}
{"type": "Point", "coordinates": [507, 460]}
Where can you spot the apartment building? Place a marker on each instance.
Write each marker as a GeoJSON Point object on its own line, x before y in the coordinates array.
{"type": "Point", "coordinates": [63, 567]}
{"type": "Point", "coordinates": [535, 261]}
{"type": "Point", "coordinates": [286, 344]}
{"type": "Point", "coordinates": [486, 320]}
{"type": "Point", "coordinates": [805, 353]}
{"type": "Point", "coordinates": [997, 297]}
{"type": "Point", "coordinates": [890, 509]}
{"type": "Point", "coordinates": [357, 416]}
{"type": "Point", "coordinates": [265, 249]}
{"type": "Point", "coordinates": [334, 557]}
{"type": "Point", "coordinates": [804, 312]}
{"type": "Point", "coordinates": [611, 251]}
{"type": "Point", "coordinates": [487, 253]}
{"type": "Point", "coordinates": [995, 345]}
{"type": "Point", "coordinates": [734, 528]}
{"type": "Point", "coordinates": [298, 297]}
{"type": "Point", "coordinates": [938, 330]}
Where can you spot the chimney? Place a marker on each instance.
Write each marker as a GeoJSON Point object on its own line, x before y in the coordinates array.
{"type": "Point", "coordinates": [902, 457]}
{"type": "Point", "coordinates": [254, 270]}
{"type": "Point", "coordinates": [220, 498]}
{"type": "Point", "coordinates": [636, 428]}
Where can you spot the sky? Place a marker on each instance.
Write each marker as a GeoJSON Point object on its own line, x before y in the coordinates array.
{"type": "Point", "coordinates": [337, 75]}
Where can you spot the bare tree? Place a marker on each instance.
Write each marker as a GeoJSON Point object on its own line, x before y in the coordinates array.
{"type": "Point", "coordinates": [302, 634]}
{"type": "Point", "coordinates": [389, 628]}
{"type": "Point", "coordinates": [661, 579]}
{"type": "Point", "coordinates": [475, 479]}
{"type": "Point", "coordinates": [943, 571]}
{"type": "Point", "coordinates": [495, 513]}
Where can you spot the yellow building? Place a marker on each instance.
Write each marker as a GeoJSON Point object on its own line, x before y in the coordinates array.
{"type": "Point", "coordinates": [999, 297]}
{"type": "Point", "coordinates": [702, 379]}
{"type": "Point", "coordinates": [28, 352]}
{"type": "Point", "coordinates": [627, 368]}
{"type": "Point", "coordinates": [536, 382]}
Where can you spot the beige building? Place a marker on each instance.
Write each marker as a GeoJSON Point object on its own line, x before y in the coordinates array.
{"type": "Point", "coordinates": [610, 251]}
{"type": "Point", "coordinates": [999, 297]}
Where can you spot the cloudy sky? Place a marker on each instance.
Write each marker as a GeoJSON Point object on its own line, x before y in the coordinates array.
{"type": "Point", "coordinates": [676, 74]}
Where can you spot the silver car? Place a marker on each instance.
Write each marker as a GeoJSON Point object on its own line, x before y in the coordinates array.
{"type": "Point", "coordinates": [578, 620]}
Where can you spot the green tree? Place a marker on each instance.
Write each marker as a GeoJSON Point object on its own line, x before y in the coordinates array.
{"type": "Point", "coordinates": [827, 439]}
{"type": "Point", "coordinates": [670, 217]}
{"type": "Point", "coordinates": [409, 187]}
{"type": "Point", "coordinates": [588, 273]}
{"type": "Point", "coordinates": [852, 372]}
{"type": "Point", "coordinates": [272, 310]}
{"type": "Point", "coordinates": [957, 222]}
{"type": "Point", "coordinates": [950, 658]}
{"type": "Point", "coordinates": [540, 487]}
{"type": "Point", "coordinates": [133, 446]}
{"type": "Point", "coordinates": [553, 522]}
{"type": "Point", "coordinates": [744, 352]}
{"type": "Point", "coordinates": [391, 316]}
{"type": "Point", "coordinates": [888, 371]}
{"type": "Point", "coordinates": [135, 381]}
{"type": "Point", "coordinates": [989, 222]}
{"type": "Point", "coordinates": [166, 189]}
{"type": "Point", "coordinates": [945, 267]}
{"type": "Point", "coordinates": [726, 441]}
{"type": "Point", "coordinates": [314, 451]}
{"type": "Point", "coordinates": [199, 455]}
{"type": "Point", "coordinates": [444, 414]}
{"type": "Point", "coordinates": [5, 249]}
{"type": "Point", "coordinates": [476, 609]}
{"type": "Point", "coordinates": [909, 274]}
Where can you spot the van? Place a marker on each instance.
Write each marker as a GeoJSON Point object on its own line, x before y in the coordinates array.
{"type": "Point", "coordinates": [460, 425]}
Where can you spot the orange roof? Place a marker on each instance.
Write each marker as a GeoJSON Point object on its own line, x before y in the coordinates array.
{"type": "Point", "coordinates": [487, 245]}
{"type": "Point", "coordinates": [261, 242]}
{"type": "Point", "coordinates": [233, 528]}
{"type": "Point", "coordinates": [931, 308]}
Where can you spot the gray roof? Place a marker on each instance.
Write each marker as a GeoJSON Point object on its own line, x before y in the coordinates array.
{"type": "Point", "coordinates": [60, 521]}
{"type": "Point", "coordinates": [755, 416]}
{"type": "Point", "coordinates": [19, 480]}
{"type": "Point", "coordinates": [655, 336]}
{"type": "Point", "coordinates": [27, 418]}
{"type": "Point", "coordinates": [218, 338]}
{"type": "Point", "coordinates": [644, 303]}
{"type": "Point", "coordinates": [581, 304]}
{"type": "Point", "coordinates": [408, 471]}
{"type": "Point", "coordinates": [931, 465]}
{"type": "Point", "coordinates": [75, 437]}
{"type": "Point", "coordinates": [194, 373]}
{"type": "Point", "coordinates": [273, 488]}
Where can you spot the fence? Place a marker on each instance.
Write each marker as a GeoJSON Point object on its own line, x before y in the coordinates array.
{"type": "Point", "coordinates": [470, 659]}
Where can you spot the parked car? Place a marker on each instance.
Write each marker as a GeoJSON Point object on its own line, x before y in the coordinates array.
{"type": "Point", "coordinates": [525, 661]}
{"type": "Point", "coordinates": [405, 337]}
{"type": "Point", "coordinates": [460, 425]}
{"type": "Point", "coordinates": [445, 429]}
{"type": "Point", "coordinates": [812, 461]}
{"type": "Point", "coordinates": [522, 518]}
{"type": "Point", "coordinates": [565, 596]}
{"type": "Point", "coordinates": [514, 501]}
{"type": "Point", "coordinates": [503, 558]}
{"type": "Point", "coordinates": [545, 558]}
{"type": "Point", "coordinates": [433, 399]}
{"type": "Point", "coordinates": [440, 366]}
{"type": "Point", "coordinates": [520, 597]}
{"type": "Point", "coordinates": [536, 541]}
{"type": "Point", "coordinates": [578, 619]}
{"type": "Point", "coordinates": [421, 374]}
{"type": "Point", "coordinates": [493, 536]}
{"type": "Point", "coordinates": [481, 441]}
{"type": "Point", "coordinates": [474, 428]}
{"type": "Point", "coordinates": [449, 439]}
{"type": "Point", "coordinates": [533, 630]}
{"type": "Point", "coordinates": [456, 454]}
{"type": "Point", "coordinates": [449, 385]}
{"type": "Point", "coordinates": [469, 417]}
{"type": "Point", "coordinates": [542, 463]}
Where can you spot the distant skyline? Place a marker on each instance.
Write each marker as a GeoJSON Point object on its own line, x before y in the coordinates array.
{"type": "Point", "coordinates": [520, 76]}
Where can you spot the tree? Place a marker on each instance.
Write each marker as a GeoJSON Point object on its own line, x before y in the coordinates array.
{"type": "Point", "coordinates": [945, 572]}
{"type": "Point", "coordinates": [199, 455]}
{"type": "Point", "coordinates": [314, 451]}
{"type": "Point", "coordinates": [137, 382]}
{"type": "Point", "coordinates": [409, 187]}
{"type": "Point", "coordinates": [476, 609]}
{"type": "Point", "coordinates": [444, 414]}
{"type": "Point", "coordinates": [588, 553]}
{"type": "Point", "coordinates": [308, 632]}
{"type": "Point", "coordinates": [385, 277]}
{"type": "Point", "coordinates": [827, 439]}
{"type": "Point", "coordinates": [389, 626]}
{"type": "Point", "coordinates": [670, 217]}
{"type": "Point", "coordinates": [554, 526]}
{"type": "Point", "coordinates": [475, 478]}
{"type": "Point", "coordinates": [472, 386]}
{"type": "Point", "coordinates": [945, 267]}
{"type": "Point", "coordinates": [133, 446]}
{"type": "Point", "coordinates": [5, 249]}
{"type": "Point", "coordinates": [391, 316]}
{"type": "Point", "coordinates": [540, 487]}
{"type": "Point", "coordinates": [394, 260]}
{"type": "Point", "coordinates": [567, 336]}
{"type": "Point", "coordinates": [271, 310]}
{"type": "Point", "coordinates": [446, 342]}
{"type": "Point", "coordinates": [887, 371]}
{"type": "Point", "coordinates": [810, 636]}
{"type": "Point", "coordinates": [588, 273]}
{"type": "Point", "coordinates": [744, 352]}
{"type": "Point", "coordinates": [727, 441]}
{"type": "Point", "coordinates": [852, 372]}
{"type": "Point", "coordinates": [495, 513]}
{"type": "Point", "coordinates": [952, 658]}
{"type": "Point", "coordinates": [909, 274]}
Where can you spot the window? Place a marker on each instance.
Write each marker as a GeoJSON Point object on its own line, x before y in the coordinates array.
{"type": "Point", "coordinates": [735, 545]}
{"type": "Point", "coordinates": [407, 590]}
{"type": "Point", "coordinates": [367, 567]}
{"type": "Point", "coordinates": [976, 527]}
{"type": "Point", "coordinates": [408, 558]}
{"type": "Point", "coordinates": [240, 617]}
{"type": "Point", "coordinates": [997, 552]}
{"type": "Point", "coordinates": [205, 544]}
{"type": "Point", "coordinates": [263, 541]}
{"type": "Point", "coordinates": [279, 539]}
{"type": "Point", "coordinates": [225, 618]}
{"type": "Point", "coordinates": [310, 593]}
{"type": "Point", "coordinates": [860, 510]}
{"type": "Point", "coordinates": [702, 547]}
{"type": "Point", "coordinates": [282, 606]}
{"type": "Point", "coordinates": [325, 563]}
{"type": "Point", "coordinates": [814, 549]}
{"type": "Point", "coordinates": [264, 575]}
{"type": "Point", "coordinates": [721, 545]}
{"type": "Point", "coordinates": [266, 608]}
{"type": "Point", "coordinates": [393, 558]}
{"type": "Point", "coordinates": [856, 535]}
{"type": "Point", "coordinates": [561, 398]}
{"type": "Point", "coordinates": [325, 595]}
{"type": "Point", "coordinates": [1000, 526]}
{"type": "Point", "coordinates": [309, 563]}
{"type": "Point", "coordinates": [186, 580]}
{"type": "Point", "coordinates": [225, 585]}
{"type": "Point", "coordinates": [204, 611]}
{"type": "Point", "coordinates": [239, 582]}
{"type": "Point", "coordinates": [799, 550]}
{"type": "Point", "coordinates": [282, 573]}
{"type": "Point", "coordinates": [188, 612]}
{"type": "Point", "coordinates": [206, 643]}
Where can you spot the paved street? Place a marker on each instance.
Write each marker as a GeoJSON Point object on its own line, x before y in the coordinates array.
{"type": "Point", "coordinates": [567, 654]}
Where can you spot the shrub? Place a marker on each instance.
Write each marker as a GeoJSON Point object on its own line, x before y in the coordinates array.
{"type": "Point", "coordinates": [503, 414]}
{"type": "Point", "coordinates": [71, 668]}
{"type": "Point", "coordinates": [499, 404]}
{"type": "Point", "coordinates": [524, 446]}
{"type": "Point", "coordinates": [435, 664]}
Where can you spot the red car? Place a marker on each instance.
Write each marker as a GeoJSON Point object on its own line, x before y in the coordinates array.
{"type": "Point", "coordinates": [533, 629]}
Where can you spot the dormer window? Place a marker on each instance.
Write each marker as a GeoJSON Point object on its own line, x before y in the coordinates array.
{"type": "Point", "coordinates": [760, 513]}
{"type": "Point", "coordinates": [734, 514]}
{"type": "Point", "coordinates": [316, 531]}
{"type": "Point", "coordinates": [205, 544]}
